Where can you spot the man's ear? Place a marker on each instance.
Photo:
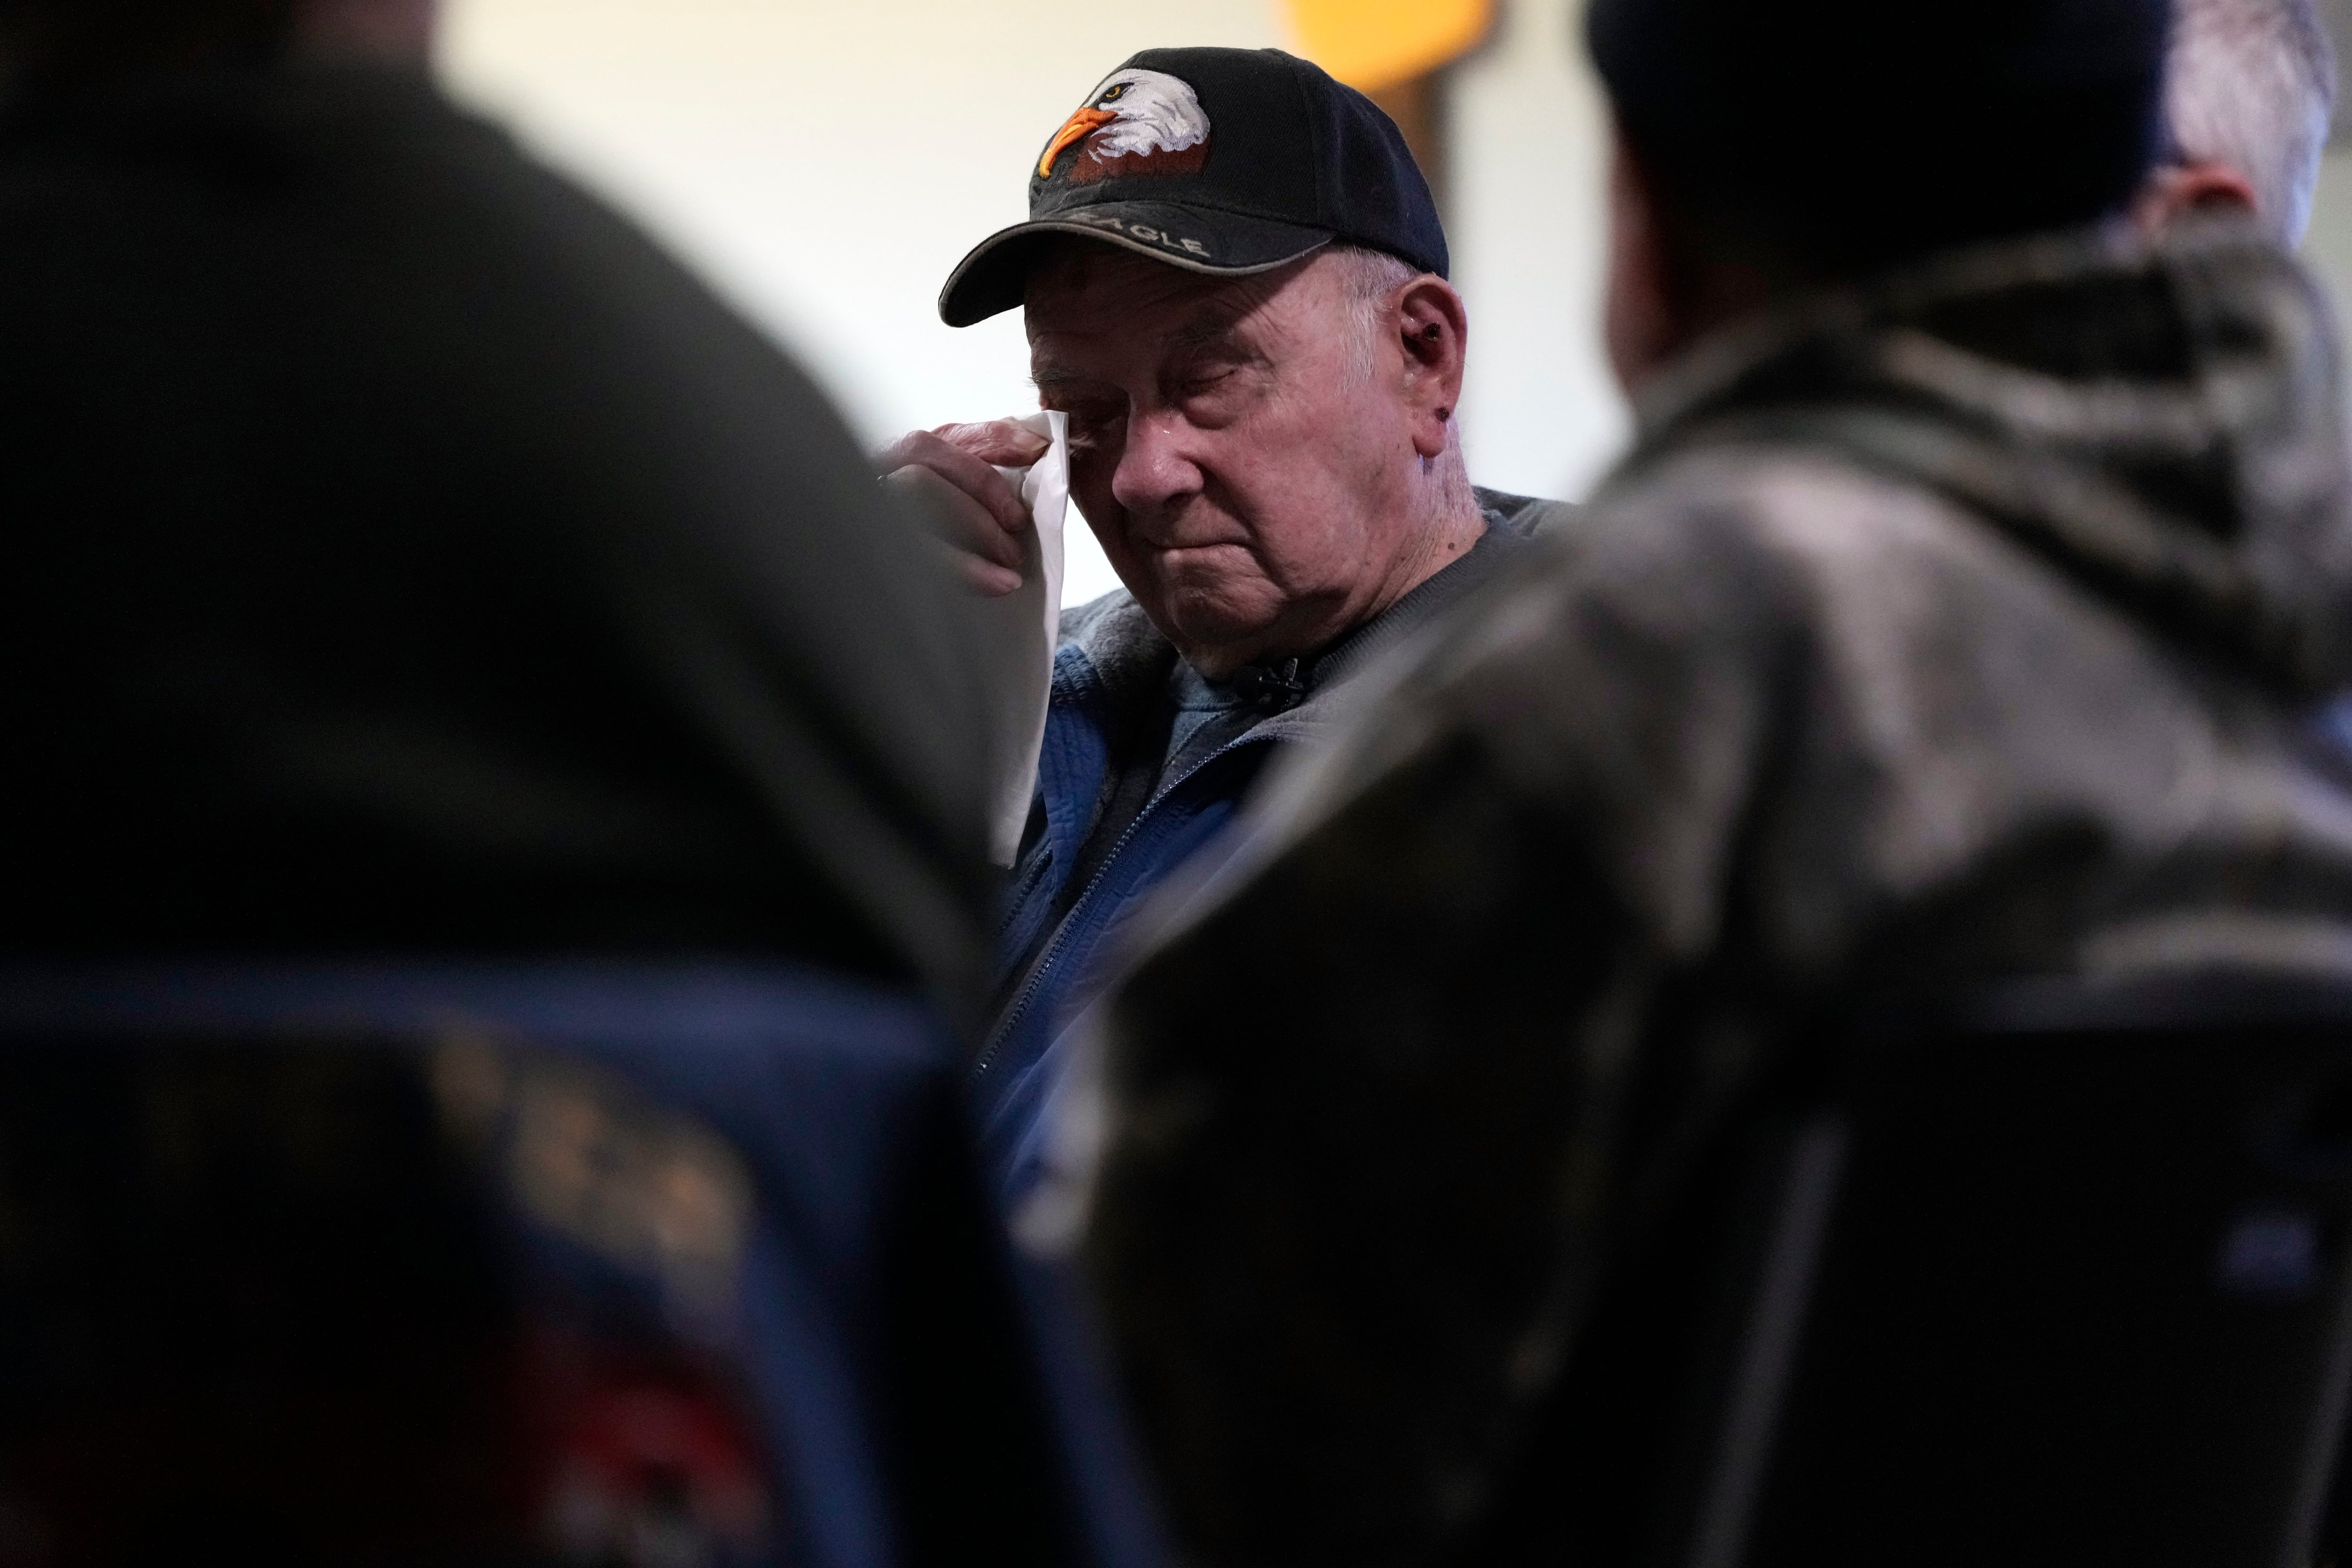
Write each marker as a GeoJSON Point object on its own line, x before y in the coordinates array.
{"type": "Point", "coordinates": [2200, 186]}
{"type": "Point", "coordinates": [1434, 329]}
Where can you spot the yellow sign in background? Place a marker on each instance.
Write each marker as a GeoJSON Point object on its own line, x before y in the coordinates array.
{"type": "Point", "coordinates": [1375, 44]}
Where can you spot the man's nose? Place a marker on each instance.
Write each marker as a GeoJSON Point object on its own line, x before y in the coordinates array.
{"type": "Point", "coordinates": [1154, 470]}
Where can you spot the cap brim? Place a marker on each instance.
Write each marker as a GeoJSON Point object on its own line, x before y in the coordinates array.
{"type": "Point", "coordinates": [995, 275]}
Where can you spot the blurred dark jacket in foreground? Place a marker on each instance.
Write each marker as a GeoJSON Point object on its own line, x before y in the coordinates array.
{"type": "Point", "coordinates": [406, 553]}
{"type": "Point", "coordinates": [1963, 628]}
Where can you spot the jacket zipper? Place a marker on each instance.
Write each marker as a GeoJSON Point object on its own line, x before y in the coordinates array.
{"type": "Point", "coordinates": [1037, 980]}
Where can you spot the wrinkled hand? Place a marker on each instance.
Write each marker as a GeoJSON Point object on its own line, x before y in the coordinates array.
{"type": "Point", "coordinates": [951, 473]}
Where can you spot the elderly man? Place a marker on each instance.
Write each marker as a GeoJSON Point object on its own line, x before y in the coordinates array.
{"type": "Point", "coordinates": [1957, 617]}
{"type": "Point", "coordinates": [1235, 286]}
{"type": "Point", "coordinates": [2250, 93]}
{"type": "Point", "coordinates": [2249, 90]}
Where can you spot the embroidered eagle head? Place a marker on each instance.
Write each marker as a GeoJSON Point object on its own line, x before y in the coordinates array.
{"type": "Point", "coordinates": [1137, 122]}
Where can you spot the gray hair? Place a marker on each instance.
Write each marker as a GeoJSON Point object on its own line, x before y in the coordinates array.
{"type": "Point", "coordinates": [2251, 84]}
{"type": "Point", "coordinates": [1369, 277]}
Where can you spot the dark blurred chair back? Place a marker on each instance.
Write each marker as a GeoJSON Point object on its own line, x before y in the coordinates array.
{"type": "Point", "coordinates": [2060, 1277]}
{"type": "Point", "coordinates": [590, 1264]}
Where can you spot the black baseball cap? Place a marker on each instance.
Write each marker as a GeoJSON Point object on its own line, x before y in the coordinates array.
{"type": "Point", "coordinates": [1225, 162]}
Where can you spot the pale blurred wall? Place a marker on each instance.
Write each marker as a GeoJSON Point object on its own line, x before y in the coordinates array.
{"type": "Point", "coordinates": [1529, 231]}
{"type": "Point", "coordinates": [826, 165]}
{"type": "Point", "coordinates": [2327, 247]}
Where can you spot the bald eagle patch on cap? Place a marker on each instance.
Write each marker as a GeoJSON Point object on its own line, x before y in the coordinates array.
{"type": "Point", "coordinates": [1135, 122]}
{"type": "Point", "coordinates": [1297, 161]}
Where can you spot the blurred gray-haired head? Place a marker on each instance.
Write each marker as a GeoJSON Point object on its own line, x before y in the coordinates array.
{"type": "Point", "coordinates": [2251, 84]}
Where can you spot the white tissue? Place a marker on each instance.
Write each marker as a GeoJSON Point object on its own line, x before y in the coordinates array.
{"type": "Point", "coordinates": [1027, 625]}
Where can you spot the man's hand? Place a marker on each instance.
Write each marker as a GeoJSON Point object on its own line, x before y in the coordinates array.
{"type": "Point", "coordinates": [951, 472]}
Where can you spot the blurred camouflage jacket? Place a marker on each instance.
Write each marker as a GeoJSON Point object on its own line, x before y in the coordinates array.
{"type": "Point", "coordinates": [1962, 626]}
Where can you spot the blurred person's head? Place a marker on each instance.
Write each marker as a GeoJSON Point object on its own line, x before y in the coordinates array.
{"type": "Point", "coordinates": [62, 42]}
{"type": "Point", "coordinates": [1766, 146]}
{"type": "Point", "coordinates": [2250, 88]}
{"type": "Point", "coordinates": [1234, 284]}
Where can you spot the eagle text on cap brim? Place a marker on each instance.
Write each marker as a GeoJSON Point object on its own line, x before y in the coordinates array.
{"type": "Point", "coordinates": [1180, 245]}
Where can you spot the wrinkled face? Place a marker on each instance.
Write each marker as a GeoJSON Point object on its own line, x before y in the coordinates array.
{"type": "Point", "coordinates": [1247, 474]}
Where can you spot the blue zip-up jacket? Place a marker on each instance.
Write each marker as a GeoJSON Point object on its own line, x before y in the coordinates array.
{"type": "Point", "coordinates": [1111, 676]}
